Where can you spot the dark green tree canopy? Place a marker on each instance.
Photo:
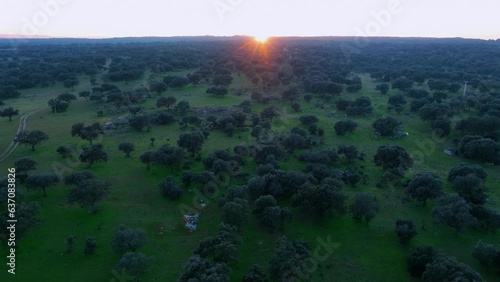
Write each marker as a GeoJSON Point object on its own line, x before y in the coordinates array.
{"type": "Point", "coordinates": [386, 126]}
{"type": "Point", "coordinates": [32, 138]}
{"type": "Point", "coordinates": [9, 112]}
{"type": "Point", "coordinates": [127, 239]}
{"type": "Point", "coordinates": [192, 141]}
{"type": "Point", "coordinates": [418, 259]}
{"type": "Point", "coordinates": [166, 102]}
{"type": "Point", "coordinates": [479, 148]}
{"type": "Point", "coordinates": [289, 259]}
{"type": "Point", "coordinates": [320, 200]}
{"type": "Point", "coordinates": [77, 177]}
{"type": "Point", "coordinates": [67, 97]}
{"type": "Point", "coordinates": [383, 88]}
{"type": "Point", "coordinates": [464, 169]}
{"type": "Point", "coordinates": [183, 107]}
{"type": "Point", "coordinates": [25, 164]}
{"type": "Point", "coordinates": [88, 192]}
{"type": "Point", "coordinates": [127, 148]}
{"type": "Point", "coordinates": [393, 158]}
{"type": "Point", "coordinates": [93, 154]}
{"type": "Point", "coordinates": [133, 263]}
{"type": "Point", "coordinates": [270, 113]}
{"type": "Point", "coordinates": [470, 188]}
{"type": "Point", "coordinates": [345, 126]}
{"type": "Point", "coordinates": [217, 91]}
{"type": "Point", "coordinates": [41, 181]}
{"type": "Point", "coordinates": [405, 229]}
{"type": "Point", "coordinates": [424, 186]}
{"type": "Point", "coordinates": [454, 212]}
{"type": "Point", "coordinates": [201, 269]}
{"type": "Point", "coordinates": [170, 189]}
{"type": "Point", "coordinates": [350, 152]}
{"type": "Point", "coordinates": [364, 207]}
{"type": "Point", "coordinates": [88, 133]}
{"type": "Point", "coordinates": [255, 274]}
{"type": "Point", "coordinates": [58, 105]}
{"type": "Point", "coordinates": [446, 268]}
{"type": "Point", "coordinates": [222, 247]}
{"type": "Point", "coordinates": [235, 212]}
{"type": "Point", "coordinates": [486, 254]}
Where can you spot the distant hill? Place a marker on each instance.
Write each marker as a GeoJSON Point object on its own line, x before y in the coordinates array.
{"type": "Point", "coordinates": [18, 36]}
{"type": "Point", "coordinates": [21, 39]}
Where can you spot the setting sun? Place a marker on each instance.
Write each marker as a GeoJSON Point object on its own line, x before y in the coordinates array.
{"type": "Point", "coordinates": [261, 38]}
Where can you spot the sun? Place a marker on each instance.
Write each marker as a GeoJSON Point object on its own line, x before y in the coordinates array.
{"type": "Point", "coordinates": [261, 38]}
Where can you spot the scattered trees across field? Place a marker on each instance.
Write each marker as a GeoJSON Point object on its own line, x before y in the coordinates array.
{"type": "Point", "coordinates": [261, 160]}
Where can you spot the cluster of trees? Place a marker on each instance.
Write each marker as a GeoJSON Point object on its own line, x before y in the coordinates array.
{"type": "Point", "coordinates": [22, 166]}
{"type": "Point", "coordinates": [125, 242]}
{"type": "Point", "coordinates": [432, 61]}
{"type": "Point", "coordinates": [229, 122]}
{"type": "Point", "coordinates": [166, 155]}
{"type": "Point", "coordinates": [93, 154]}
{"type": "Point", "coordinates": [468, 183]}
{"type": "Point", "coordinates": [397, 101]}
{"type": "Point", "coordinates": [311, 121]}
{"type": "Point", "coordinates": [289, 260]}
{"type": "Point", "coordinates": [269, 215]}
{"type": "Point", "coordinates": [89, 133]}
{"type": "Point", "coordinates": [345, 126]}
{"type": "Point", "coordinates": [320, 200]}
{"type": "Point", "coordinates": [85, 189]}
{"type": "Point", "coordinates": [8, 91]}
{"type": "Point", "coordinates": [191, 141]}
{"type": "Point", "coordinates": [432, 265]}
{"type": "Point", "coordinates": [166, 102]}
{"type": "Point", "coordinates": [393, 159]}
{"type": "Point", "coordinates": [221, 248]}
{"type": "Point", "coordinates": [386, 126]}
{"type": "Point", "coordinates": [479, 148]}
{"type": "Point", "coordinates": [61, 103]}
{"type": "Point", "coordinates": [170, 189]}
{"type": "Point", "coordinates": [487, 255]}
{"type": "Point", "coordinates": [361, 106]}
{"type": "Point", "coordinates": [463, 209]}
{"type": "Point", "coordinates": [217, 91]}
{"type": "Point", "coordinates": [201, 269]}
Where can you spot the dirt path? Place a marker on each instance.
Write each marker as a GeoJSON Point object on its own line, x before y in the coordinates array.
{"type": "Point", "coordinates": [20, 128]}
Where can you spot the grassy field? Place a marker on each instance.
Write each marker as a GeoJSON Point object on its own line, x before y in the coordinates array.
{"type": "Point", "coordinates": [366, 252]}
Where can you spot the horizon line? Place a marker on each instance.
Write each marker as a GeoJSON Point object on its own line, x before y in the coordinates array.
{"type": "Point", "coordinates": [21, 36]}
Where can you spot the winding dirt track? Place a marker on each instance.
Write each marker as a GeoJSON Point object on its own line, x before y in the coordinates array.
{"type": "Point", "coordinates": [20, 128]}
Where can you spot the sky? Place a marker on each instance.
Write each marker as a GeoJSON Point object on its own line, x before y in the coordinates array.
{"type": "Point", "coordinates": [123, 18]}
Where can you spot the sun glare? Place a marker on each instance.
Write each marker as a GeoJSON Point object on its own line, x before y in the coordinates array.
{"type": "Point", "coordinates": [261, 38]}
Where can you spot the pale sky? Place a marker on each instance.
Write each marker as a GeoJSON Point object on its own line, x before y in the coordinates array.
{"type": "Point", "coordinates": [120, 18]}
